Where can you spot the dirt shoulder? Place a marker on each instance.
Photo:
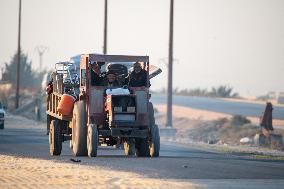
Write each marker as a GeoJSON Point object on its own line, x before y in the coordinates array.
{"type": "Point", "coordinates": [194, 128]}
{"type": "Point", "coordinates": [19, 172]}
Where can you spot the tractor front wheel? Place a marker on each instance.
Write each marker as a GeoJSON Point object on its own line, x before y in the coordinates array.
{"type": "Point", "coordinates": [93, 139]}
{"type": "Point", "coordinates": [154, 143]}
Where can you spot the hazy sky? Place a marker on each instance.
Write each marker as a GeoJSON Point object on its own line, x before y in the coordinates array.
{"type": "Point", "coordinates": [235, 42]}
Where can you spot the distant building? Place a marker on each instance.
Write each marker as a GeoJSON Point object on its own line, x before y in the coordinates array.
{"type": "Point", "coordinates": [269, 96]}
{"type": "Point", "coordinates": [281, 98]}
{"type": "Point", "coordinates": [272, 95]}
{"type": "Point", "coordinates": [5, 86]}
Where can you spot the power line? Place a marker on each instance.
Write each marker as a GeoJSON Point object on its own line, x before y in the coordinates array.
{"type": "Point", "coordinates": [41, 50]}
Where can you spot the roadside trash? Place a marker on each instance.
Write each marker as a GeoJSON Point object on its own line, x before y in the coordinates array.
{"type": "Point", "coordinates": [211, 142]}
{"type": "Point", "coordinates": [246, 140]}
{"type": "Point", "coordinates": [222, 142]}
{"type": "Point", "coordinates": [75, 160]}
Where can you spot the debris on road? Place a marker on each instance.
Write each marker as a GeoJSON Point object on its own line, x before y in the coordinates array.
{"type": "Point", "coordinates": [75, 160]}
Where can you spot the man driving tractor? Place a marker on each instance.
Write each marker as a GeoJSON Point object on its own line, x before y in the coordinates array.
{"type": "Point", "coordinates": [110, 80]}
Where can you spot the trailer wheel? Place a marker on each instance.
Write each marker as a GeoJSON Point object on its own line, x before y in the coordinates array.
{"type": "Point", "coordinates": [79, 129]}
{"type": "Point", "coordinates": [55, 138]}
{"type": "Point", "coordinates": [154, 142]}
{"type": "Point", "coordinates": [142, 147]}
{"type": "Point", "coordinates": [48, 122]}
{"type": "Point", "coordinates": [93, 139]}
{"type": "Point", "coordinates": [129, 147]}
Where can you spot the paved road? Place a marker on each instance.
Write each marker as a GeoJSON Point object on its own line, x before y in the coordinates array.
{"type": "Point", "coordinates": [25, 139]}
{"type": "Point", "coordinates": [219, 105]}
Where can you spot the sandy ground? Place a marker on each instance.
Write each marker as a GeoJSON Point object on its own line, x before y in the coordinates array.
{"type": "Point", "coordinates": [19, 172]}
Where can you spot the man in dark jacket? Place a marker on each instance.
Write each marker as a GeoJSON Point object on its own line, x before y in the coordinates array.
{"type": "Point", "coordinates": [95, 74]}
{"type": "Point", "coordinates": [110, 80]}
{"type": "Point", "coordinates": [138, 77]}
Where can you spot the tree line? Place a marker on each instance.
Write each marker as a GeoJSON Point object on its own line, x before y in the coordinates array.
{"type": "Point", "coordinates": [222, 91]}
{"type": "Point", "coordinates": [29, 78]}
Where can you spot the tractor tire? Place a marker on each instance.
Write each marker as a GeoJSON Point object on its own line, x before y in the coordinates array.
{"type": "Point", "coordinates": [154, 142]}
{"type": "Point", "coordinates": [79, 129]}
{"type": "Point", "coordinates": [142, 147]}
{"type": "Point", "coordinates": [129, 147]}
{"type": "Point", "coordinates": [55, 138]}
{"type": "Point", "coordinates": [93, 140]}
{"type": "Point", "coordinates": [154, 139]}
{"type": "Point", "coordinates": [2, 126]}
{"type": "Point", "coordinates": [71, 141]}
{"type": "Point", "coordinates": [151, 114]}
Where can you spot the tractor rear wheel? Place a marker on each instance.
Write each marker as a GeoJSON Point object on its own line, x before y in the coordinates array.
{"type": "Point", "coordinates": [129, 147]}
{"type": "Point", "coordinates": [142, 147]}
{"type": "Point", "coordinates": [151, 114]}
{"type": "Point", "coordinates": [93, 139]}
{"type": "Point", "coordinates": [154, 142]}
{"type": "Point", "coordinates": [55, 138]}
{"type": "Point", "coordinates": [154, 139]}
{"type": "Point", "coordinates": [79, 129]}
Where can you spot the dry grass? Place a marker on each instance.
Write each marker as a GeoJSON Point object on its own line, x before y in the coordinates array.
{"type": "Point", "coordinates": [226, 130]}
{"type": "Point", "coordinates": [205, 126]}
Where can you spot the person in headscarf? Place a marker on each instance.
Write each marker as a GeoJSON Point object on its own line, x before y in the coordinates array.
{"type": "Point", "coordinates": [138, 77]}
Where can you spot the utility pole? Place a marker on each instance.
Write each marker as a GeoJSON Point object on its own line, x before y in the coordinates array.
{"type": "Point", "coordinates": [18, 58]}
{"type": "Point", "coordinates": [41, 50]}
{"type": "Point", "coordinates": [169, 122]}
{"type": "Point", "coordinates": [105, 28]}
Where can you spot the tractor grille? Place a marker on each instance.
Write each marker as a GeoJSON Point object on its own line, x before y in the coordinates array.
{"type": "Point", "coordinates": [124, 117]}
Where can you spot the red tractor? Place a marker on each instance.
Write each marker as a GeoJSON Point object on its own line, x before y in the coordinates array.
{"type": "Point", "coordinates": [102, 115]}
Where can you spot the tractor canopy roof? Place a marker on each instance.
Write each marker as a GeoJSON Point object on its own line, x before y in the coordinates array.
{"type": "Point", "coordinates": [117, 58]}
